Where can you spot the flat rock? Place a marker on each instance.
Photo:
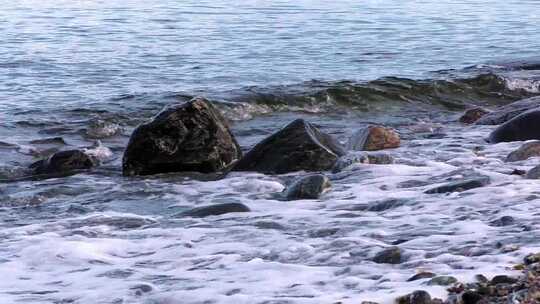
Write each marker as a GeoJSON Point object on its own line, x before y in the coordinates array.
{"type": "Point", "coordinates": [184, 137]}
{"type": "Point", "coordinates": [472, 115]}
{"type": "Point", "coordinates": [298, 146]}
{"type": "Point", "coordinates": [373, 138]}
{"type": "Point", "coordinates": [307, 187]}
{"type": "Point", "coordinates": [507, 112]}
{"type": "Point", "coordinates": [534, 173]}
{"type": "Point", "coordinates": [391, 255]}
{"type": "Point", "coordinates": [527, 150]}
{"type": "Point", "coordinates": [523, 127]}
{"type": "Point", "coordinates": [442, 281]}
{"type": "Point", "coordinates": [217, 209]}
{"type": "Point", "coordinates": [362, 157]}
{"type": "Point", "coordinates": [460, 185]}
{"type": "Point", "coordinates": [63, 162]}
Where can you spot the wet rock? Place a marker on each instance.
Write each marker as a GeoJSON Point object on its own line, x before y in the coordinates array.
{"type": "Point", "coordinates": [502, 279]}
{"type": "Point", "coordinates": [421, 275]}
{"type": "Point", "coordinates": [298, 146]}
{"type": "Point", "coordinates": [63, 162]}
{"type": "Point", "coordinates": [532, 258]}
{"type": "Point", "coordinates": [527, 150]}
{"type": "Point", "coordinates": [99, 128]}
{"type": "Point", "coordinates": [373, 138]}
{"type": "Point", "coordinates": [505, 113]}
{"type": "Point", "coordinates": [390, 255]}
{"type": "Point", "coordinates": [217, 209]}
{"type": "Point", "coordinates": [442, 281]}
{"type": "Point", "coordinates": [49, 141]}
{"type": "Point", "coordinates": [185, 137]}
{"type": "Point", "coordinates": [534, 173]}
{"type": "Point", "coordinates": [461, 185]}
{"type": "Point", "coordinates": [472, 115]}
{"type": "Point", "coordinates": [416, 297]}
{"type": "Point", "coordinates": [362, 158]}
{"type": "Point", "coordinates": [503, 221]}
{"type": "Point", "coordinates": [523, 127]}
{"type": "Point", "coordinates": [307, 187]}
{"type": "Point", "coordinates": [385, 204]}
{"type": "Point", "coordinates": [471, 297]}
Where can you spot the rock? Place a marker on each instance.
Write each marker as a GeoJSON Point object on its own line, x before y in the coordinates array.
{"type": "Point", "coordinates": [460, 185]}
{"type": "Point", "coordinates": [362, 158]}
{"type": "Point", "coordinates": [442, 281]}
{"type": "Point", "coordinates": [472, 115]}
{"type": "Point", "coordinates": [502, 279]}
{"type": "Point", "coordinates": [503, 221]}
{"type": "Point", "coordinates": [523, 127]}
{"type": "Point", "coordinates": [421, 275]}
{"type": "Point", "coordinates": [391, 255]}
{"type": "Point", "coordinates": [532, 258]}
{"type": "Point", "coordinates": [298, 146]}
{"type": "Point", "coordinates": [373, 138]}
{"type": "Point", "coordinates": [416, 297]}
{"type": "Point", "coordinates": [307, 187]}
{"type": "Point", "coordinates": [505, 113]}
{"type": "Point", "coordinates": [63, 161]}
{"type": "Point", "coordinates": [386, 204]}
{"type": "Point", "coordinates": [527, 150]}
{"type": "Point", "coordinates": [471, 297]}
{"type": "Point", "coordinates": [217, 209]}
{"type": "Point", "coordinates": [184, 137]}
{"type": "Point", "coordinates": [534, 173]}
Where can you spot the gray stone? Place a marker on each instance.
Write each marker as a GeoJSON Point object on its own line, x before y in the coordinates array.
{"type": "Point", "coordinates": [442, 281]}
{"type": "Point", "coordinates": [505, 113]}
{"type": "Point", "coordinates": [63, 162]}
{"type": "Point", "coordinates": [298, 146]}
{"type": "Point", "coordinates": [460, 185]}
{"type": "Point", "coordinates": [391, 255]}
{"type": "Point", "coordinates": [362, 158]}
{"type": "Point", "coordinates": [503, 221]}
{"type": "Point", "coordinates": [185, 137]}
{"type": "Point", "coordinates": [527, 150]}
{"type": "Point", "coordinates": [534, 173]}
{"type": "Point", "coordinates": [217, 209]}
{"type": "Point", "coordinates": [523, 127]}
{"type": "Point", "coordinates": [307, 187]}
{"type": "Point", "coordinates": [416, 297]}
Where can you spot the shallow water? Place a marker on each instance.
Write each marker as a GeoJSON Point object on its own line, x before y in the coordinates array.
{"type": "Point", "coordinates": [79, 71]}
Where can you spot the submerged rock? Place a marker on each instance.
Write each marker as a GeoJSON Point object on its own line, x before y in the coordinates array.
{"type": "Point", "coordinates": [534, 173]}
{"type": "Point", "coordinates": [472, 115]}
{"type": "Point", "coordinates": [362, 158]}
{"type": "Point", "coordinates": [390, 255]}
{"type": "Point", "coordinates": [307, 187]}
{"type": "Point", "coordinates": [503, 221]}
{"type": "Point", "coordinates": [527, 150]}
{"type": "Point", "coordinates": [185, 137]}
{"type": "Point", "coordinates": [63, 162]}
{"type": "Point", "coordinates": [505, 113]}
{"type": "Point", "coordinates": [421, 275]}
{"type": "Point", "coordinates": [442, 281]}
{"type": "Point", "coordinates": [416, 297]}
{"type": "Point", "coordinates": [298, 146]}
{"type": "Point", "coordinates": [523, 127]}
{"type": "Point", "coordinates": [217, 209]}
{"type": "Point", "coordinates": [460, 185]}
{"type": "Point", "coordinates": [373, 138]}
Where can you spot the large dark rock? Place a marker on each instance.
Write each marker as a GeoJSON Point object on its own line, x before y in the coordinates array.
{"type": "Point", "coordinates": [307, 187]}
{"type": "Point", "coordinates": [373, 138]}
{"type": "Point", "coordinates": [185, 137]}
{"type": "Point", "coordinates": [460, 185]}
{"type": "Point", "coordinates": [505, 113]}
{"type": "Point", "coordinates": [63, 162]}
{"type": "Point", "coordinates": [527, 150]}
{"type": "Point", "coordinates": [217, 209]}
{"type": "Point", "coordinates": [298, 146]}
{"type": "Point", "coordinates": [525, 126]}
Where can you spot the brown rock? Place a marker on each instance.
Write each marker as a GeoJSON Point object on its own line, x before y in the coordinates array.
{"type": "Point", "coordinates": [472, 115]}
{"type": "Point", "coordinates": [374, 138]}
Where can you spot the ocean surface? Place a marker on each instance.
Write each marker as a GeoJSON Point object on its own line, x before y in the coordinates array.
{"type": "Point", "coordinates": [84, 74]}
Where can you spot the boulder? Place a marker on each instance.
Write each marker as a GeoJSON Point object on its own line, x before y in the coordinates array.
{"type": "Point", "coordinates": [505, 113]}
{"type": "Point", "coordinates": [298, 146]}
{"type": "Point", "coordinates": [391, 255]}
{"type": "Point", "coordinates": [416, 297]}
{"type": "Point", "coordinates": [373, 138]}
{"type": "Point", "coordinates": [534, 173]}
{"type": "Point", "coordinates": [460, 185]}
{"type": "Point", "coordinates": [362, 158]}
{"type": "Point", "coordinates": [217, 209]}
{"type": "Point", "coordinates": [527, 150]}
{"type": "Point", "coordinates": [184, 137]}
{"type": "Point", "coordinates": [472, 115]}
{"type": "Point", "coordinates": [523, 127]}
{"type": "Point", "coordinates": [63, 162]}
{"type": "Point", "coordinates": [307, 187]}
